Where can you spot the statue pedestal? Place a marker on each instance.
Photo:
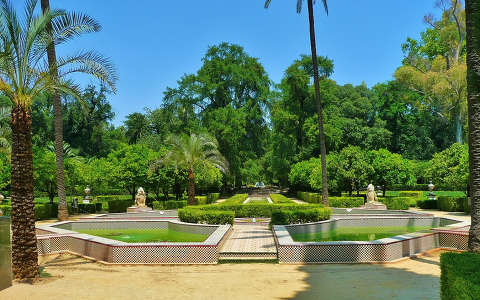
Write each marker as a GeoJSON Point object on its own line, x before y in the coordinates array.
{"type": "Point", "coordinates": [135, 209]}
{"type": "Point", "coordinates": [374, 205]}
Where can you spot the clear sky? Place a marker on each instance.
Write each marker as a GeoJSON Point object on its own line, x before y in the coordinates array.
{"type": "Point", "coordinates": [154, 42]}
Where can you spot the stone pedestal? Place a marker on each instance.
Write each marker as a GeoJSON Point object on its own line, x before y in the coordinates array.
{"type": "Point", "coordinates": [374, 205]}
{"type": "Point", "coordinates": [134, 209]}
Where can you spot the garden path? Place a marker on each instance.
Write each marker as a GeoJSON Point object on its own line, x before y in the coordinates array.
{"type": "Point", "coordinates": [249, 241]}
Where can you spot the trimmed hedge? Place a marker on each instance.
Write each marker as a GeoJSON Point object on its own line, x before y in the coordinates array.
{"type": "Point", "coordinates": [427, 204]}
{"type": "Point", "coordinates": [170, 204]}
{"type": "Point", "coordinates": [213, 197]}
{"type": "Point", "coordinates": [256, 210]}
{"type": "Point", "coordinates": [236, 199]}
{"type": "Point", "coordinates": [345, 202]}
{"type": "Point", "coordinates": [6, 209]}
{"type": "Point", "coordinates": [157, 205]}
{"type": "Point", "coordinates": [460, 278]}
{"type": "Point", "coordinates": [200, 200]}
{"type": "Point", "coordinates": [396, 203]}
{"type": "Point", "coordinates": [88, 208]}
{"type": "Point", "coordinates": [209, 217]}
{"type": "Point", "coordinates": [452, 203]}
{"type": "Point", "coordinates": [118, 206]}
{"type": "Point", "coordinates": [279, 198]}
{"type": "Point", "coordinates": [284, 217]}
{"type": "Point", "coordinates": [414, 194]}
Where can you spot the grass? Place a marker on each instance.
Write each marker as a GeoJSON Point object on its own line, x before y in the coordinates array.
{"type": "Point", "coordinates": [258, 200]}
{"type": "Point", "coordinates": [356, 233]}
{"type": "Point", "coordinates": [146, 235]}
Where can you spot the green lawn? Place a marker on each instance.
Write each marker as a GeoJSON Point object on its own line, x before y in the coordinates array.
{"type": "Point", "coordinates": [356, 233]}
{"type": "Point", "coordinates": [146, 235]}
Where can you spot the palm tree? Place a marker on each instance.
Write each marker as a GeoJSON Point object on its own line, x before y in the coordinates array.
{"type": "Point", "coordinates": [88, 25]}
{"type": "Point", "coordinates": [24, 74]}
{"type": "Point", "coordinates": [189, 152]}
{"type": "Point", "coordinates": [318, 99]}
{"type": "Point", "coordinates": [472, 11]}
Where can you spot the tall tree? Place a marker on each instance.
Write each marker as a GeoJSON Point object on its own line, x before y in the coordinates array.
{"type": "Point", "coordinates": [192, 152]}
{"type": "Point", "coordinates": [473, 81]}
{"type": "Point", "coordinates": [24, 75]}
{"type": "Point", "coordinates": [318, 98]}
{"type": "Point", "coordinates": [88, 25]}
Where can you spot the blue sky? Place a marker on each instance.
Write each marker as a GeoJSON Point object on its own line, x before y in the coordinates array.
{"type": "Point", "coordinates": [154, 42]}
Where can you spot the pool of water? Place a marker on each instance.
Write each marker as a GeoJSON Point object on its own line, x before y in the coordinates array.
{"type": "Point", "coordinates": [357, 233]}
{"type": "Point", "coordinates": [146, 235]}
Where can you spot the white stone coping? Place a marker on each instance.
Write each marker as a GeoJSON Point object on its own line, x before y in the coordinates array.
{"type": "Point", "coordinates": [213, 239]}
{"type": "Point", "coordinates": [269, 200]}
{"type": "Point", "coordinates": [284, 238]}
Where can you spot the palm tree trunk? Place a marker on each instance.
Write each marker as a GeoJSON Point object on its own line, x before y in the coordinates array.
{"type": "Point", "coordinates": [58, 124]}
{"type": "Point", "coordinates": [318, 100]}
{"type": "Point", "coordinates": [24, 240]}
{"type": "Point", "coordinates": [191, 187]}
{"type": "Point", "coordinates": [472, 9]}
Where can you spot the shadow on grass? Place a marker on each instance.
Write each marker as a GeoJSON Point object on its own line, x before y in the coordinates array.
{"type": "Point", "coordinates": [370, 282]}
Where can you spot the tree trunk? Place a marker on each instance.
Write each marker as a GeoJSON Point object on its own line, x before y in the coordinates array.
{"type": "Point", "coordinates": [58, 124]}
{"type": "Point", "coordinates": [191, 187]}
{"type": "Point", "coordinates": [24, 240]}
{"type": "Point", "coordinates": [472, 8]}
{"type": "Point", "coordinates": [318, 101]}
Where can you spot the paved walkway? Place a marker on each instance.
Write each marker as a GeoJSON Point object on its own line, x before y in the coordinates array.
{"type": "Point", "coordinates": [249, 241]}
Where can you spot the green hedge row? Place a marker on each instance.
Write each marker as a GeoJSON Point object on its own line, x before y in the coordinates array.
{"type": "Point", "coordinates": [119, 206]}
{"type": "Point", "coordinates": [340, 202]}
{"type": "Point", "coordinates": [452, 203]}
{"type": "Point", "coordinates": [106, 198]}
{"type": "Point", "coordinates": [279, 198]}
{"type": "Point", "coordinates": [255, 210]}
{"type": "Point", "coordinates": [396, 203]}
{"type": "Point", "coordinates": [460, 278]}
{"type": "Point", "coordinates": [236, 199]}
{"type": "Point", "coordinates": [189, 215]}
{"type": "Point", "coordinates": [170, 204]}
{"type": "Point", "coordinates": [427, 204]}
{"type": "Point", "coordinates": [200, 200]}
{"type": "Point", "coordinates": [284, 217]}
{"type": "Point", "coordinates": [213, 197]}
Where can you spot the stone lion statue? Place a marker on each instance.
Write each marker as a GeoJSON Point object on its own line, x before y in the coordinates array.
{"type": "Point", "coordinates": [140, 198]}
{"type": "Point", "coordinates": [371, 195]}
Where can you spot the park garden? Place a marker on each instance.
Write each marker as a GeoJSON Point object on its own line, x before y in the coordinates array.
{"type": "Point", "coordinates": [192, 168]}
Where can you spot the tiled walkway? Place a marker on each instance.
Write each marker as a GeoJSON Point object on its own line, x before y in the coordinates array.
{"type": "Point", "coordinates": [249, 241]}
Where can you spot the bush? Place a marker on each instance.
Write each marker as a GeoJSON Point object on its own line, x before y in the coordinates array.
{"type": "Point", "coordinates": [118, 206]}
{"type": "Point", "coordinates": [236, 199]}
{"type": "Point", "coordinates": [467, 207]}
{"type": "Point", "coordinates": [213, 197]}
{"type": "Point", "coordinates": [157, 205]}
{"type": "Point", "coordinates": [414, 194]}
{"type": "Point", "coordinates": [172, 204]}
{"type": "Point", "coordinates": [427, 204]}
{"type": "Point", "coordinates": [279, 198]}
{"type": "Point", "coordinates": [345, 202]}
{"type": "Point", "coordinates": [452, 203]}
{"type": "Point", "coordinates": [284, 217]}
{"type": "Point", "coordinates": [460, 278]}
{"type": "Point", "coordinates": [396, 203]}
{"type": "Point", "coordinates": [209, 217]}
{"type": "Point", "coordinates": [200, 200]}
{"type": "Point", "coordinates": [98, 207]}
{"type": "Point", "coordinates": [256, 210]}
{"type": "Point", "coordinates": [6, 209]}
{"type": "Point", "coordinates": [89, 208]}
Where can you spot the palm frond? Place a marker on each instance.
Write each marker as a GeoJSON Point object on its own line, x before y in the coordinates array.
{"type": "Point", "coordinates": [267, 3]}
{"type": "Point", "coordinates": [70, 25]}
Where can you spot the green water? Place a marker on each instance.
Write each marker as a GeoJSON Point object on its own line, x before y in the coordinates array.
{"type": "Point", "coordinates": [357, 233]}
{"type": "Point", "coordinates": [146, 235]}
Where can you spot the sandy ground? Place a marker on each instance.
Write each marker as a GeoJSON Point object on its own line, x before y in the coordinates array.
{"type": "Point", "coordinates": [72, 277]}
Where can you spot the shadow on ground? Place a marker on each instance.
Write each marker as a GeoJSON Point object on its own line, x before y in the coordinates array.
{"type": "Point", "coordinates": [370, 282]}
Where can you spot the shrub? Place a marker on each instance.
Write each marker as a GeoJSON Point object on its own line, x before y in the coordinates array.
{"type": "Point", "coordinates": [157, 205]}
{"type": "Point", "coordinates": [98, 206]}
{"type": "Point", "coordinates": [6, 209]}
{"type": "Point", "coordinates": [255, 210]}
{"type": "Point", "coordinates": [42, 212]}
{"type": "Point", "coordinates": [396, 203]}
{"type": "Point", "coordinates": [460, 278]}
{"type": "Point", "coordinates": [414, 194]}
{"type": "Point", "coordinates": [345, 202]}
{"type": "Point", "coordinates": [279, 198]}
{"type": "Point", "coordinates": [200, 200]}
{"type": "Point", "coordinates": [208, 217]}
{"type": "Point", "coordinates": [236, 199]}
{"type": "Point", "coordinates": [451, 203]}
{"type": "Point", "coordinates": [172, 204]}
{"type": "Point", "coordinates": [467, 207]}
{"type": "Point", "coordinates": [89, 208]}
{"type": "Point", "coordinates": [213, 197]}
{"type": "Point", "coordinates": [427, 204]}
{"type": "Point", "coordinates": [284, 217]}
{"type": "Point", "coordinates": [118, 206]}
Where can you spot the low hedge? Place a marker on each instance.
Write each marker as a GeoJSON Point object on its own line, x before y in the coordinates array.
{"type": "Point", "coordinates": [119, 206]}
{"type": "Point", "coordinates": [414, 194]}
{"type": "Point", "coordinates": [279, 198]}
{"type": "Point", "coordinates": [256, 210]}
{"type": "Point", "coordinates": [452, 203]}
{"type": "Point", "coordinates": [170, 204]}
{"type": "Point", "coordinates": [88, 208]}
{"type": "Point", "coordinates": [396, 203]}
{"type": "Point", "coordinates": [213, 197]}
{"type": "Point", "coordinates": [236, 199]}
{"type": "Point", "coordinates": [157, 205]}
{"type": "Point", "coordinates": [427, 204]}
{"type": "Point", "coordinates": [208, 217]}
{"type": "Point", "coordinates": [200, 200]}
{"type": "Point", "coordinates": [460, 278]}
{"type": "Point", "coordinates": [284, 217]}
{"type": "Point", "coordinates": [6, 209]}
{"type": "Point", "coordinates": [345, 202]}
